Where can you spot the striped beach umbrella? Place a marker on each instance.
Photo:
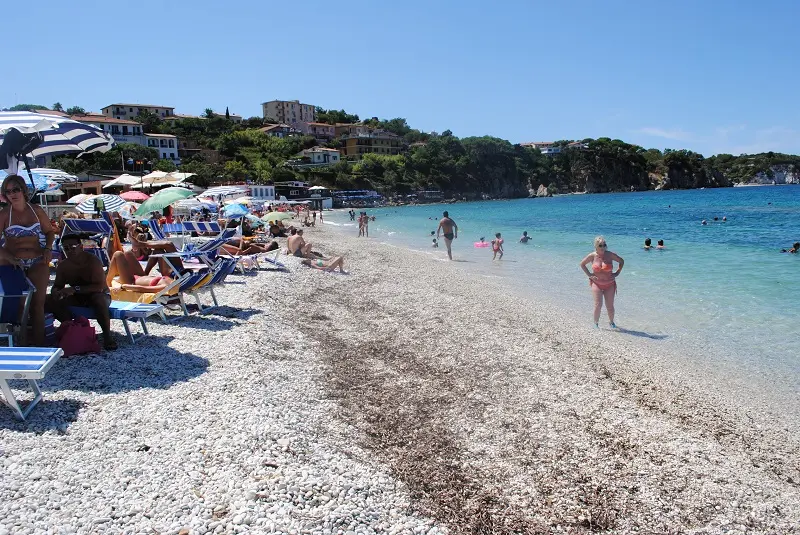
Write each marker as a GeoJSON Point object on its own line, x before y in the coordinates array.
{"type": "Point", "coordinates": [224, 191]}
{"type": "Point", "coordinates": [59, 135]}
{"type": "Point", "coordinates": [111, 203]}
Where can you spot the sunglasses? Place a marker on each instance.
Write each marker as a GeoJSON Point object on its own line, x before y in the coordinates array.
{"type": "Point", "coordinates": [13, 191]}
{"type": "Point", "coordinates": [601, 245]}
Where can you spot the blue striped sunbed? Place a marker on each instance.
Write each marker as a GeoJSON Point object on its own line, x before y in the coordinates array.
{"type": "Point", "coordinates": [124, 311]}
{"type": "Point", "coordinates": [16, 292]}
{"type": "Point", "coordinates": [209, 227]}
{"type": "Point", "coordinates": [28, 364]}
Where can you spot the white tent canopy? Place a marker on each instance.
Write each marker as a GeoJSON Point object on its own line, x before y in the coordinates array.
{"type": "Point", "coordinates": [124, 180]}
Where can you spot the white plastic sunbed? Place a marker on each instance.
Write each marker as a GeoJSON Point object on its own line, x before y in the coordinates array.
{"type": "Point", "coordinates": [28, 364]}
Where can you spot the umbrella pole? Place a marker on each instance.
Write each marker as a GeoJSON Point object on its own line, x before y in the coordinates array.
{"type": "Point", "coordinates": [30, 175]}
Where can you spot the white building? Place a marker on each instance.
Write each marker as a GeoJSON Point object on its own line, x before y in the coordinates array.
{"type": "Point", "coordinates": [166, 145]}
{"type": "Point", "coordinates": [130, 111]}
{"type": "Point", "coordinates": [290, 112]}
{"type": "Point", "coordinates": [263, 193]}
{"type": "Point", "coordinates": [321, 156]}
{"type": "Point", "coordinates": [122, 130]}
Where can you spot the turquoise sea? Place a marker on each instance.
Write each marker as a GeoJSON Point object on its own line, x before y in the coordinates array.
{"type": "Point", "coordinates": [722, 292]}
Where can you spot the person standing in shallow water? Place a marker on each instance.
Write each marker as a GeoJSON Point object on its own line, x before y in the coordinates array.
{"type": "Point", "coordinates": [603, 278]}
{"type": "Point", "coordinates": [449, 228]}
{"type": "Point", "coordinates": [497, 246]}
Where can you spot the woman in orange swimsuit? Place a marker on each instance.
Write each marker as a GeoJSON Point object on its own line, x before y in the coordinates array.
{"type": "Point", "coordinates": [602, 278]}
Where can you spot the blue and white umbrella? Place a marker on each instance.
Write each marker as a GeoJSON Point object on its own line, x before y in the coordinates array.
{"type": "Point", "coordinates": [40, 183]}
{"type": "Point", "coordinates": [232, 211]}
{"type": "Point", "coordinates": [60, 135]}
{"type": "Point", "coordinates": [111, 203]}
{"type": "Point", "coordinates": [224, 191]}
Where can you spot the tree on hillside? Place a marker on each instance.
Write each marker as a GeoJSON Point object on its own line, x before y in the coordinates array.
{"type": "Point", "coordinates": [28, 107]}
{"type": "Point", "coordinates": [72, 166]}
{"type": "Point", "coordinates": [57, 107]}
{"type": "Point", "coordinates": [165, 165]}
{"type": "Point", "coordinates": [335, 116]}
{"type": "Point", "coordinates": [227, 114]}
{"type": "Point", "coordinates": [151, 123]}
{"type": "Point", "coordinates": [209, 113]}
{"type": "Point", "coordinates": [253, 122]}
{"type": "Point", "coordinates": [75, 110]}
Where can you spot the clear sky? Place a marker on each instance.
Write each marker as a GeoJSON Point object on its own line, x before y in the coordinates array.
{"type": "Point", "coordinates": [708, 75]}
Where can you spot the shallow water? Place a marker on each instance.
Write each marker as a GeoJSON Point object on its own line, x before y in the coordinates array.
{"type": "Point", "coordinates": [721, 293]}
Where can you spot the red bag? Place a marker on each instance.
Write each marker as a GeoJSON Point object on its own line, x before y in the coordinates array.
{"type": "Point", "coordinates": [77, 337]}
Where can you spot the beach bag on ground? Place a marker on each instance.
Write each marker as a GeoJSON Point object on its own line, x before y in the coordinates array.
{"type": "Point", "coordinates": [77, 337]}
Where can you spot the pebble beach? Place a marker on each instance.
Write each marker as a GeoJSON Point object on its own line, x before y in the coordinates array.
{"type": "Point", "coordinates": [404, 397]}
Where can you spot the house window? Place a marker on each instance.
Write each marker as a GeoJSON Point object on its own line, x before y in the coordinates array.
{"type": "Point", "coordinates": [124, 130]}
{"type": "Point", "coordinates": [130, 109]}
{"type": "Point", "coordinates": [172, 155]}
{"type": "Point", "coordinates": [171, 143]}
{"type": "Point", "coordinates": [163, 142]}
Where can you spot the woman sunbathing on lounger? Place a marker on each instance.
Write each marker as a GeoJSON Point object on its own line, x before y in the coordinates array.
{"type": "Point", "coordinates": [144, 248]}
{"type": "Point", "coordinates": [328, 264]}
{"type": "Point", "coordinates": [126, 273]}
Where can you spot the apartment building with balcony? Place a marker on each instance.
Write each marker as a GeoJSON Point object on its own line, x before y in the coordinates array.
{"type": "Point", "coordinates": [280, 130]}
{"type": "Point", "coordinates": [355, 146]}
{"type": "Point", "coordinates": [166, 145]}
{"type": "Point", "coordinates": [291, 112]}
{"type": "Point", "coordinates": [122, 130]}
{"type": "Point", "coordinates": [130, 111]}
{"type": "Point", "coordinates": [321, 131]}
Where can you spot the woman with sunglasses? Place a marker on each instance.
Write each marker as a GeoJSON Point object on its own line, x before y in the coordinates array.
{"type": "Point", "coordinates": [603, 278]}
{"type": "Point", "coordinates": [27, 237]}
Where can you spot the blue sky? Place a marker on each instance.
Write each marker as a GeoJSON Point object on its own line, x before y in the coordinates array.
{"type": "Point", "coordinates": [711, 75]}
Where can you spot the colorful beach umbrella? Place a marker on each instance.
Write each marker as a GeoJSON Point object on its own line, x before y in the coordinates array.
{"type": "Point", "coordinates": [109, 203]}
{"type": "Point", "coordinates": [162, 199]}
{"type": "Point", "coordinates": [136, 196]}
{"type": "Point", "coordinates": [276, 216]}
{"type": "Point", "coordinates": [79, 198]}
{"type": "Point", "coordinates": [232, 211]}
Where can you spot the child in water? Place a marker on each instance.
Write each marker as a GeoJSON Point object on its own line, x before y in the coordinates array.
{"type": "Point", "coordinates": [497, 246]}
{"type": "Point", "coordinates": [660, 244]}
{"type": "Point", "coordinates": [435, 243]}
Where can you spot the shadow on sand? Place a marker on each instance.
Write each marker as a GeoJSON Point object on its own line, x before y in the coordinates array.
{"type": "Point", "coordinates": [151, 363]}
{"type": "Point", "coordinates": [642, 334]}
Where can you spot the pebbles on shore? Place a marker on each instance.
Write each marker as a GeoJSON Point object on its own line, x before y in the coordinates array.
{"type": "Point", "coordinates": [385, 401]}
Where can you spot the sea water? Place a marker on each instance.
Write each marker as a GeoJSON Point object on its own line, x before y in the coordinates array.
{"type": "Point", "coordinates": [721, 292]}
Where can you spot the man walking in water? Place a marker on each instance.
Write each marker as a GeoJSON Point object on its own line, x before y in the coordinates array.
{"type": "Point", "coordinates": [450, 230]}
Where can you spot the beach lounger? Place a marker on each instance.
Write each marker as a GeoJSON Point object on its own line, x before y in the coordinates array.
{"type": "Point", "coordinates": [93, 229]}
{"type": "Point", "coordinates": [16, 293]}
{"type": "Point", "coordinates": [124, 311]}
{"type": "Point", "coordinates": [201, 227]}
{"type": "Point", "coordinates": [27, 364]}
{"type": "Point", "coordinates": [216, 276]}
{"type": "Point", "coordinates": [156, 231]}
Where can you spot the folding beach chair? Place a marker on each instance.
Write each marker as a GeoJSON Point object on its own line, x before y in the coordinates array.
{"type": "Point", "coordinates": [16, 293]}
{"type": "Point", "coordinates": [205, 252]}
{"type": "Point", "coordinates": [93, 229]}
{"type": "Point", "coordinates": [216, 276]}
{"type": "Point", "coordinates": [27, 364]}
{"type": "Point", "coordinates": [202, 227]}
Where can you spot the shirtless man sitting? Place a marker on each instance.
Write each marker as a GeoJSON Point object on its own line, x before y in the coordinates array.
{"type": "Point", "coordinates": [450, 230]}
{"type": "Point", "coordinates": [298, 246]}
{"type": "Point", "coordinates": [84, 274]}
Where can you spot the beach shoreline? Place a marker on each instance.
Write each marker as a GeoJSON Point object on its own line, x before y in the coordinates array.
{"type": "Point", "coordinates": [403, 397]}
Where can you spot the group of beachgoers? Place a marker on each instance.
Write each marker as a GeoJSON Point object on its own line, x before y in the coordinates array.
{"type": "Point", "coordinates": [602, 277]}
{"type": "Point", "coordinates": [363, 222]}
{"type": "Point", "coordinates": [28, 235]}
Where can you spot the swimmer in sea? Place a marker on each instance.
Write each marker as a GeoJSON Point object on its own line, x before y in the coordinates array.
{"type": "Point", "coordinates": [703, 222]}
{"type": "Point", "coordinates": [660, 244]}
{"type": "Point", "coordinates": [497, 246]}
{"type": "Point", "coordinates": [525, 238]}
{"type": "Point", "coordinates": [647, 244]}
{"type": "Point", "coordinates": [603, 278]}
{"type": "Point", "coordinates": [794, 250]}
{"type": "Point", "coordinates": [450, 230]}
